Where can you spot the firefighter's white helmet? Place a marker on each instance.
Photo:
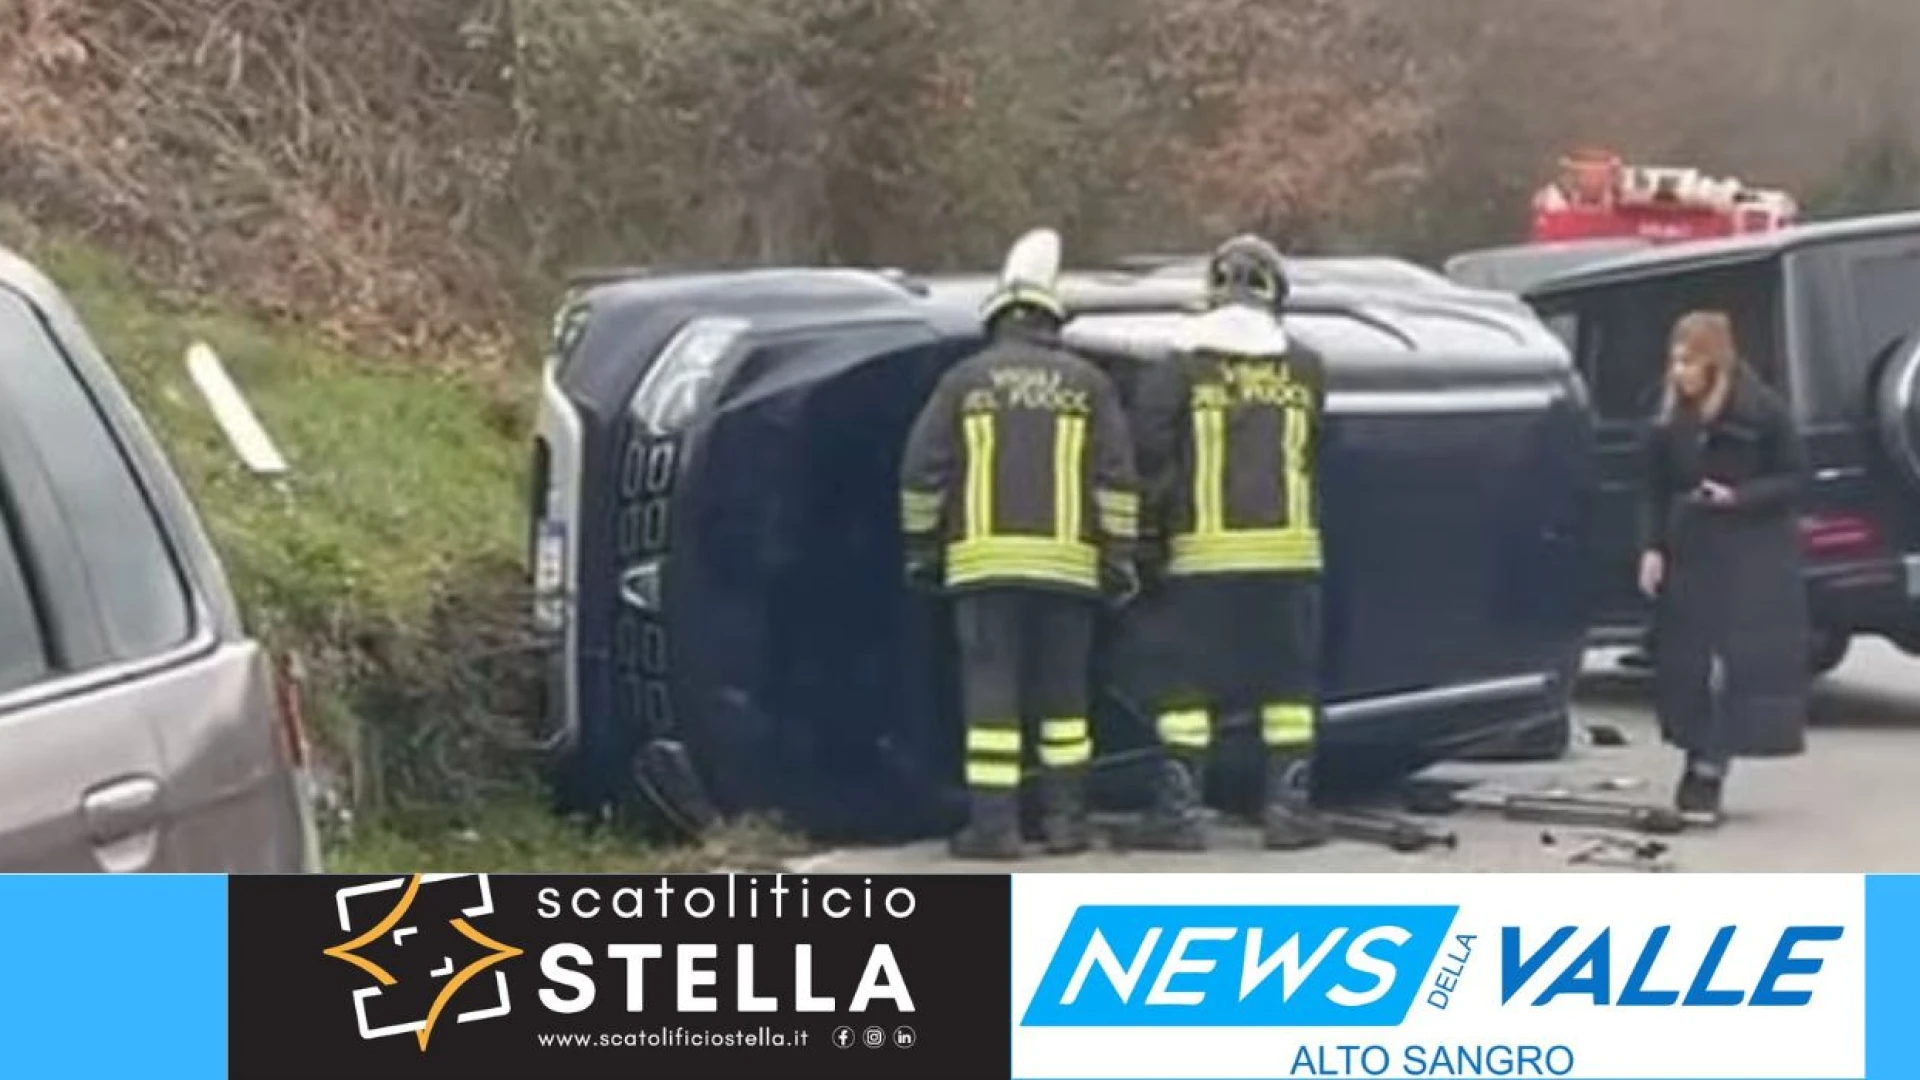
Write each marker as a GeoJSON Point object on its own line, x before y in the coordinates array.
{"type": "Point", "coordinates": [1030, 277]}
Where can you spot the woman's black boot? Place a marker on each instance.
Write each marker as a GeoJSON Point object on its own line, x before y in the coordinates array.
{"type": "Point", "coordinates": [1699, 795]}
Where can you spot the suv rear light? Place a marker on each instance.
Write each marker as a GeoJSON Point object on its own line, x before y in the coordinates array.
{"type": "Point", "coordinates": [287, 703]}
{"type": "Point", "coordinates": [550, 577]}
{"type": "Point", "coordinates": [1838, 536]}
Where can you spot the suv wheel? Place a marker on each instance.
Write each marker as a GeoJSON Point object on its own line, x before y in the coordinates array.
{"type": "Point", "coordinates": [1897, 405]}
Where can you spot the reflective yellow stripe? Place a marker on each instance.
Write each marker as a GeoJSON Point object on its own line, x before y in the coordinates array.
{"type": "Point", "coordinates": [1299, 484]}
{"type": "Point", "coordinates": [1069, 443]}
{"type": "Point", "coordinates": [1186, 728]}
{"type": "Point", "coordinates": [1209, 465]}
{"type": "Point", "coordinates": [993, 755]}
{"type": "Point", "coordinates": [1066, 755]}
{"type": "Point", "coordinates": [979, 429]}
{"type": "Point", "coordinates": [1287, 725]}
{"type": "Point", "coordinates": [992, 774]}
{"type": "Point", "coordinates": [982, 739]}
{"type": "Point", "coordinates": [1119, 513]}
{"type": "Point", "coordinates": [1036, 558]}
{"type": "Point", "coordinates": [1064, 731]}
{"type": "Point", "coordinates": [920, 511]}
{"type": "Point", "coordinates": [1065, 743]}
{"type": "Point", "coordinates": [1246, 551]}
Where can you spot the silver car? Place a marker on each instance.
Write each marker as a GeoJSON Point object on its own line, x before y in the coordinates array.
{"type": "Point", "coordinates": [141, 729]}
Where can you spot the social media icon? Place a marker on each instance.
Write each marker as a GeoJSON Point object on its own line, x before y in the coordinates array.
{"type": "Point", "coordinates": [875, 1038]}
{"type": "Point", "coordinates": [903, 1037]}
{"type": "Point", "coordinates": [843, 1037]}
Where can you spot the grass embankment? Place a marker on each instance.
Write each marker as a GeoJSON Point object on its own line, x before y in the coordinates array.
{"type": "Point", "coordinates": [389, 561]}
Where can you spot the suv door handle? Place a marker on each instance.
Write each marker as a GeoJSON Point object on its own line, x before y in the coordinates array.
{"type": "Point", "coordinates": [123, 820]}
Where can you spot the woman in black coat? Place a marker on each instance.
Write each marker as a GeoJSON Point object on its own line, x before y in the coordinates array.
{"type": "Point", "coordinates": [1721, 558]}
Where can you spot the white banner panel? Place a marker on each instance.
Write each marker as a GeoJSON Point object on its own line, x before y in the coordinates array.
{"type": "Point", "coordinates": [1682, 977]}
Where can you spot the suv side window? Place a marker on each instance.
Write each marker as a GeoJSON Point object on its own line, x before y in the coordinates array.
{"type": "Point", "coordinates": [1862, 298]}
{"type": "Point", "coordinates": [137, 591]}
{"type": "Point", "coordinates": [23, 650]}
{"type": "Point", "coordinates": [1624, 331]}
{"type": "Point", "coordinates": [1887, 289]}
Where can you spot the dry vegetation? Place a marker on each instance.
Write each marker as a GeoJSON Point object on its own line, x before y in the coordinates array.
{"type": "Point", "coordinates": [408, 179]}
{"type": "Point", "coordinates": [419, 170]}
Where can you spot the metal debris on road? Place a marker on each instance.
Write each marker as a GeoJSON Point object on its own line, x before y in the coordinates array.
{"type": "Point", "coordinates": [1559, 806]}
{"type": "Point", "coordinates": [1619, 783]}
{"type": "Point", "coordinates": [1609, 849]}
{"type": "Point", "coordinates": [1397, 833]}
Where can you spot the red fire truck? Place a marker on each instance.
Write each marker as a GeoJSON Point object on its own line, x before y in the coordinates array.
{"type": "Point", "coordinates": [1598, 196]}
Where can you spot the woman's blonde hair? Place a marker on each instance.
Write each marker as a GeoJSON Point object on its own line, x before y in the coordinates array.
{"type": "Point", "coordinates": [1710, 334]}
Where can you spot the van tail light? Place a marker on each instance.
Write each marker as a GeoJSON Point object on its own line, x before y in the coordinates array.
{"type": "Point", "coordinates": [1838, 536]}
{"type": "Point", "coordinates": [287, 682]}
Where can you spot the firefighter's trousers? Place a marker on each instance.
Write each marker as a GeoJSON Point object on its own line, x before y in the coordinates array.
{"type": "Point", "coordinates": [1249, 646]}
{"type": "Point", "coordinates": [1024, 656]}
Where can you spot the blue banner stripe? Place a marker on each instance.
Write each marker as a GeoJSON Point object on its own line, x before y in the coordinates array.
{"type": "Point", "coordinates": [114, 976]}
{"type": "Point", "coordinates": [1893, 976]}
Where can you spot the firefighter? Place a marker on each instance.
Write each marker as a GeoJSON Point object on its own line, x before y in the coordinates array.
{"type": "Point", "coordinates": [1229, 431]}
{"type": "Point", "coordinates": [1019, 501]}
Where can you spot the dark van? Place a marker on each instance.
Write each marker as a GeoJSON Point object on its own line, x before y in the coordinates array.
{"type": "Point", "coordinates": [1828, 314]}
{"type": "Point", "coordinates": [716, 555]}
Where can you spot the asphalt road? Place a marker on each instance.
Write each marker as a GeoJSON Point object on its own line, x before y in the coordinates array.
{"type": "Point", "coordinates": [1851, 804]}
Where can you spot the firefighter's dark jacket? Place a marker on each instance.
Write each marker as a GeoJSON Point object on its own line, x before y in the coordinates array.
{"type": "Point", "coordinates": [1229, 462]}
{"type": "Point", "coordinates": [1020, 472]}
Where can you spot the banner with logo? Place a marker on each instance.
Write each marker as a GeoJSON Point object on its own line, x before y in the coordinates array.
{"type": "Point", "coordinates": [1734, 977]}
{"type": "Point", "coordinates": [1037, 977]}
{"type": "Point", "coordinates": [476, 976]}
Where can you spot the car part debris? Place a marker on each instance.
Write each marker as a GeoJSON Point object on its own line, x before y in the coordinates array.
{"type": "Point", "coordinates": [1619, 783]}
{"type": "Point", "coordinates": [1606, 855]}
{"type": "Point", "coordinates": [1639, 846]}
{"type": "Point", "coordinates": [1398, 833]}
{"type": "Point", "coordinates": [1559, 807]}
{"type": "Point", "coordinates": [231, 411]}
{"type": "Point", "coordinates": [1611, 849]}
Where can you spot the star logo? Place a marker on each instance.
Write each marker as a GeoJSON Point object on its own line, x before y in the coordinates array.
{"type": "Point", "coordinates": [409, 912]}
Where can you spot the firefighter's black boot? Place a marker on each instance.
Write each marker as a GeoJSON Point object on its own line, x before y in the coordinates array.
{"type": "Point", "coordinates": [1064, 817]}
{"type": "Point", "coordinates": [1175, 820]}
{"type": "Point", "coordinates": [994, 832]}
{"type": "Point", "coordinates": [1288, 821]}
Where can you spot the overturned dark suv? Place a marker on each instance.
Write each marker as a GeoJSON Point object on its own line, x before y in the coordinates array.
{"type": "Point", "coordinates": [715, 549]}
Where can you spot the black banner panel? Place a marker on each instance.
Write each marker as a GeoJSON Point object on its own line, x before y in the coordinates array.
{"type": "Point", "coordinates": [476, 976]}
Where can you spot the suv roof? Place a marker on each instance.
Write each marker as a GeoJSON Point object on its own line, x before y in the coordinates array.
{"type": "Point", "coordinates": [1415, 307]}
{"type": "Point", "coordinates": [1141, 281]}
{"type": "Point", "coordinates": [1419, 309]}
{"type": "Point", "coordinates": [1729, 251]}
